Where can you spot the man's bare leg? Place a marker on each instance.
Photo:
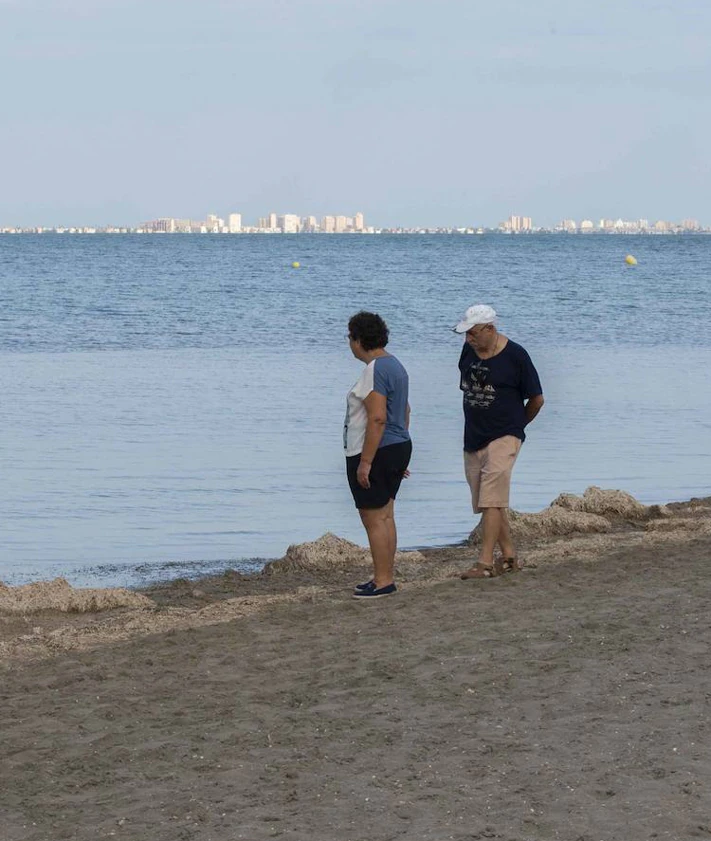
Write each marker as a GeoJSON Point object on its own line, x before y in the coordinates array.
{"type": "Point", "coordinates": [380, 527]}
{"type": "Point", "coordinates": [505, 542]}
{"type": "Point", "coordinates": [490, 531]}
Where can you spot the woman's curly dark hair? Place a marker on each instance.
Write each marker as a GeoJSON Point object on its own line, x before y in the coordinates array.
{"type": "Point", "coordinates": [369, 329]}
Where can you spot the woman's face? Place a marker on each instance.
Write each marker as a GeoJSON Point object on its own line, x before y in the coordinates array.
{"type": "Point", "coordinates": [355, 346]}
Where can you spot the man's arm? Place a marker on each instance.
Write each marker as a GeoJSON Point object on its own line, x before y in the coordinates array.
{"type": "Point", "coordinates": [533, 407]}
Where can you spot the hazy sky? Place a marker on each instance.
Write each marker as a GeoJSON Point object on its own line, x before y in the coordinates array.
{"type": "Point", "coordinates": [443, 112]}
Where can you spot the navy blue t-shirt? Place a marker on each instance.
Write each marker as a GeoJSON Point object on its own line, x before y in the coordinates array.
{"type": "Point", "coordinates": [494, 393]}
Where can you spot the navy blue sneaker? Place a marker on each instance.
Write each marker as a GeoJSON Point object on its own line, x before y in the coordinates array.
{"type": "Point", "coordinates": [372, 593]}
{"type": "Point", "coordinates": [368, 585]}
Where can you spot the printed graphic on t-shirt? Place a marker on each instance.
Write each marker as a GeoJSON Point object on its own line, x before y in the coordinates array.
{"type": "Point", "coordinates": [478, 393]}
{"type": "Point", "coordinates": [494, 394]}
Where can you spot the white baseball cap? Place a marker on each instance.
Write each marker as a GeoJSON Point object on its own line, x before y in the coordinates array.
{"type": "Point", "coordinates": [478, 314]}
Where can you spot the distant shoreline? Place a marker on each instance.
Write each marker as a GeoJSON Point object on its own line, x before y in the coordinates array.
{"type": "Point", "coordinates": [89, 230]}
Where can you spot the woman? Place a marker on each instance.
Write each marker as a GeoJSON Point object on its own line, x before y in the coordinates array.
{"type": "Point", "coordinates": [378, 445]}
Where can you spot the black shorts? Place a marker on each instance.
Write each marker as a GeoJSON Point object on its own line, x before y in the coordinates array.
{"type": "Point", "coordinates": [386, 472]}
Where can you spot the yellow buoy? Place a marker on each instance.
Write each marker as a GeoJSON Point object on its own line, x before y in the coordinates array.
{"type": "Point", "coordinates": [630, 260]}
{"type": "Point", "coordinates": [295, 265]}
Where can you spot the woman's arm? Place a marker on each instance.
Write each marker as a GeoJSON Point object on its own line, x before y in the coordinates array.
{"type": "Point", "coordinates": [376, 405]}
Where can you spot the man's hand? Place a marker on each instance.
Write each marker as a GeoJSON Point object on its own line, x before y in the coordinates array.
{"type": "Point", "coordinates": [533, 407]}
{"type": "Point", "coordinates": [363, 474]}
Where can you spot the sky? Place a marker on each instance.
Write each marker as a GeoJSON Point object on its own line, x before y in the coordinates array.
{"type": "Point", "coordinates": [415, 112]}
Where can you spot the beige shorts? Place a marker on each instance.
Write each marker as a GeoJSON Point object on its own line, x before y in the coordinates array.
{"type": "Point", "coordinates": [488, 472]}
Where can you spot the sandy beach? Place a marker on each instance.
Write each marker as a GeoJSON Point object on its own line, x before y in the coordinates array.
{"type": "Point", "coordinates": [568, 701]}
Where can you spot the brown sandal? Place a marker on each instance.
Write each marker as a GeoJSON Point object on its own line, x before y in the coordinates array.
{"type": "Point", "coordinates": [511, 565]}
{"type": "Point", "coordinates": [482, 571]}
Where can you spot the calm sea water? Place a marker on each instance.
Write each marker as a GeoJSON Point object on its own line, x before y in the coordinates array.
{"type": "Point", "coordinates": [173, 404]}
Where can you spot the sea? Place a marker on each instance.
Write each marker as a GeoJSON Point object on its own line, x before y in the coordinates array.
{"type": "Point", "coordinates": [172, 405]}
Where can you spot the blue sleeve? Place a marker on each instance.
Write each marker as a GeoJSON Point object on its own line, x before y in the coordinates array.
{"type": "Point", "coordinates": [530, 382]}
{"type": "Point", "coordinates": [381, 380]}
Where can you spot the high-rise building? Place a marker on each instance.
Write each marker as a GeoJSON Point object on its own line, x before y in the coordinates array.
{"type": "Point", "coordinates": [328, 224]}
{"type": "Point", "coordinates": [587, 225]}
{"type": "Point", "coordinates": [309, 224]}
{"type": "Point", "coordinates": [289, 223]}
{"type": "Point", "coordinates": [359, 222]}
{"type": "Point", "coordinates": [517, 223]}
{"type": "Point", "coordinates": [341, 224]}
{"type": "Point", "coordinates": [272, 222]}
{"type": "Point", "coordinates": [234, 223]}
{"type": "Point", "coordinates": [165, 225]}
{"type": "Point", "coordinates": [214, 224]}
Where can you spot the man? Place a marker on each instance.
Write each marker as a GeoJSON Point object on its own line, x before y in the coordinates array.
{"type": "Point", "coordinates": [502, 395]}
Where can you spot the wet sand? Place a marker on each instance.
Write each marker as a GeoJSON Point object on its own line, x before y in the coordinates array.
{"type": "Point", "coordinates": [569, 701]}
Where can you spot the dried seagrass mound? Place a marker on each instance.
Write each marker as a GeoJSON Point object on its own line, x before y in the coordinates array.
{"type": "Point", "coordinates": [552, 522]}
{"type": "Point", "coordinates": [610, 503]}
{"type": "Point", "coordinates": [682, 524]}
{"type": "Point", "coordinates": [592, 512]}
{"type": "Point", "coordinates": [59, 595]}
{"type": "Point", "coordinates": [329, 552]}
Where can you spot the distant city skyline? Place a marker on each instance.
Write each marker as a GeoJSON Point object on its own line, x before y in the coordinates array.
{"type": "Point", "coordinates": [416, 113]}
{"type": "Point", "coordinates": [291, 223]}
{"type": "Point", "coordinates": [234, 222]}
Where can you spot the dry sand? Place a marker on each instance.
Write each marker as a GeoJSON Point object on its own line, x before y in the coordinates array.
{"type": "Point", "coordinates": [569, 701]}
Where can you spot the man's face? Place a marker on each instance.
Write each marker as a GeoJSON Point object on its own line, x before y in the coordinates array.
{"type": "Point", "coordinates": [479, 335]}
